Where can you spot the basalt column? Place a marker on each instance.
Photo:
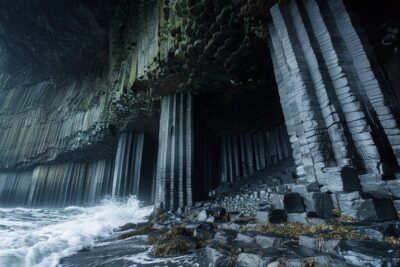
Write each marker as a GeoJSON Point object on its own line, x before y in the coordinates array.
{"type": "Point", "coordinates": [333, 104]}
{"type": "Point", "coordinates": [134, 160]}
{"type": "Point", "coordinates": [175, 153]}
{"type": "Point", "coordinates": [244, 154]}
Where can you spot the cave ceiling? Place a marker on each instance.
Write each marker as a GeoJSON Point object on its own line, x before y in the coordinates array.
{"type": "Point", "coordinates": [48, 35]}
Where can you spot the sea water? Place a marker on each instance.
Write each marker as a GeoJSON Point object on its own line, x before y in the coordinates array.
{"type": "Point", "coordinates": [42, 237]}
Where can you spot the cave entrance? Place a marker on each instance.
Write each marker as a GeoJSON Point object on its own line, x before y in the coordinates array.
{"type": "Point", "coordinates": [240, 131]}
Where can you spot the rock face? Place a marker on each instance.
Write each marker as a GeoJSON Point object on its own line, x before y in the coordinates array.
{"type": "Point", "coordinates": [275, 110]}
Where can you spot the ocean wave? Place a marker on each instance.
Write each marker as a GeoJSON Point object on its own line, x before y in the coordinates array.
{"type": "Point", "coordinates": [41, 237]}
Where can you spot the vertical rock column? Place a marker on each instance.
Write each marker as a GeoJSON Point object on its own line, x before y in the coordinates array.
{"type": "Point", "coordinates": [133, 166]}
{"type": "Point", "coordinates": [300, 99]}
{"type": "Point", "coordinates": [333, 106]}
{"type": "Point", "coordinates": [175, 152]}
{"type": "Point", "coordinates": [242, 155]}
{"type": "Point", "coordinates": [370, 88]}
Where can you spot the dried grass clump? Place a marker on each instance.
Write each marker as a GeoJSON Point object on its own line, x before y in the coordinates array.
{"type": "Point", "coordinates": [341, 216]}
{"type": "Point", "coordinates": [336, 231]}
{"type": "Point", "coordinates": [324, 230]}
{"type": "Point", "coordinates": [233, 257]}
{"type": "Point", "coordinates": [171, 242]}
{"type": "Point", "coordinates": [288, 229]}
{"type": "Point", "coordinates": [395, 241]}
{"type": "Point", "coordinates": [309, 262]}
{"type": "Point", "coordinates": [168, 245]}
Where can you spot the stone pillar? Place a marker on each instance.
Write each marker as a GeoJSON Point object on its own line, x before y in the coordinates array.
{"type": "Point", "coordinates": [133, 165]}
{"type": "Point", "coordinates": [332, 102]}
{"type": "Point", "coordinates": [175, 153]}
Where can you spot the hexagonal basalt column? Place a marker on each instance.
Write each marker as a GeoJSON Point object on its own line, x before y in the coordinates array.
{"type": "Point", "coordinates": [175, 153]}
{"type": "Point", "coordinates": [332, 101]}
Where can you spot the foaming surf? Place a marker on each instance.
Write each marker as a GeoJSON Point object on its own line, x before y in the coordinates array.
{"type": "Point", "coordinates": [42, 237]}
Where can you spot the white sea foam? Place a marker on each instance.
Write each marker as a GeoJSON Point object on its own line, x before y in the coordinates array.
{"type": "Point", "coordinates": [41, 237]}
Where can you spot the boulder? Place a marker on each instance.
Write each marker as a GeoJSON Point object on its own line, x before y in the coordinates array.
{"type": "Point", "coordinates": [202, 216]}
{"type": "Point", "coordinates": [266, 240]}
{"type": "Point", "coordinates": [217, 256]}
{"type": "Point", "coordinates": [297, 218]}
{"type": "Point", "coordinates": [293, 203]}
{"type": "Point", "coordinates": [368, 253]}
{"type": "Point", "coordinates": [319, 244]}
{"type": "Point", "coordinates": [253, 260]}
{"type": "Point", "coordinates": [271, 216]}
{"type": "Point", "coordinates": [248, 237]}
{"type": "Point", "coordinates": [372, 209]}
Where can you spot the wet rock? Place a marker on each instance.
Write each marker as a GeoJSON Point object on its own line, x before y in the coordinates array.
{"type": "Point", "coordinates": [225, 236]}
{"type": "Point", "coordinates": [371, 233]}
{"type": "Point", "coordinates": [202, 216]}
{"type": "Point", "coordinates": [297, 218]}
{"type": "Point", "coordinates": [277, 201]}
{"type": "Point", "coordinates": [368, 253]}
{"type": "Point", "coordinates": [210, 219]}
{"type": "Point", "coordinates": [234, 216]}
{"type": "Point", "coordinates": [252, 259]}
{"type": "Point", "coordinates": [319, 203]}
{"type": "Point", "coordinates": [235, 226]}
{"type": "Point", "coordinates": [203, 234]}
{"type": "Point", "coordinates": [217, 256]}
{"type": "Point", "coordinates": [248, 237]}
{"type": "Point", "coordinates": [271, 216]}
{"type": "Point", "coordinates": [373, 184]}
{"type": "Point", "coordinates": [317, 243]}
{"type": "Point", "coordinates": [125, 227]}
{"type": "Point", "coordinates": [351, 204]}
{"type": "Point", "coordinates": [263, 216]}
{"type": "Point", "coordinates": [193, 225]}
{"type": "Point", "coordinates": [219, 213]}
{"type": "Point", "coordinates": [266, 240]}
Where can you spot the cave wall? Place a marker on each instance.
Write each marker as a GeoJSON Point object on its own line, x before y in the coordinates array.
{"type": "Point", "coordinates": [58, 185]}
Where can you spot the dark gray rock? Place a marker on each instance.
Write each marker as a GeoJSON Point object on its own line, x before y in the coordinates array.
{"type": "Point", "coordinates": [368, 253]}
{"type": "Point", "coordinates": [217, 256]}
{"type": "Point", "coordinates": [277, 216]}
{"type": "Point", "coordinates": [293, 203]}
{"type": "Point", "coordinates": [218, 212]}
{"type": "Point", "coordinates": [246, 259]}
{"type": "Point", "coordinates": [263, 216]}
{"type": "Point", "coordinates": [193, 225]}
{"type": "Point", "coordinates": [277, 201]}
{"type": "Point", "coordinates": [394, 187]}
{"type": "Point", "coordinates": [225, 236]}
{"type": "Point", "coordinates": [322, 204]}
{"type": "Point", "coordinates": [372, 234]}
{"type": "Point", "coordinates": [248, 237]}
{"type": "Point", "coordinates": [297, 218]}
{"type": "Point", "coordinates": [235, 226]}
{"type": "Point", "coordinates": [351, 204]}
{"type": "Point", "coordinates": [319, 244]}
{"type": "Point", "coordinates": [396, 204]}
{"type": "Point", "coordinates": [266, 240]}
{"type": "Point", "coordinates": [234, 216]}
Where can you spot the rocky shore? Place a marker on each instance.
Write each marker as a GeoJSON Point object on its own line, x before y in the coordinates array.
{"type": "Point", "coordinates": [260, 222]}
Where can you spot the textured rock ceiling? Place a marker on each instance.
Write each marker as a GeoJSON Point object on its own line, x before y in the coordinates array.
{"type": "Point", "coordinates": [71, 34]}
